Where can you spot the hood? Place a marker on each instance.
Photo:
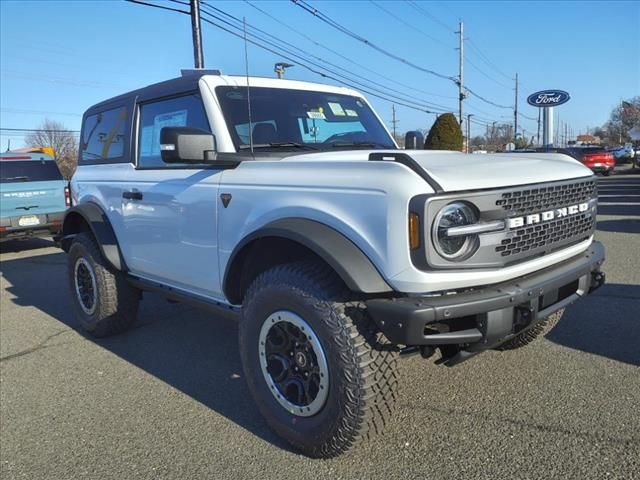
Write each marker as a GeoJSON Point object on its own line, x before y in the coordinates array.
{"type": "Point", "coordinates": [456, 171]}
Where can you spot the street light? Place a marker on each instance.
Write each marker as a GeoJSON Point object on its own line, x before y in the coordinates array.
{"type": "Point", "coordinates": [280, 67]}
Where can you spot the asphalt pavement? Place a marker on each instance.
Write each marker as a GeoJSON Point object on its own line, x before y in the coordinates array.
{"type": "Point", "coordinates": [168, 399]}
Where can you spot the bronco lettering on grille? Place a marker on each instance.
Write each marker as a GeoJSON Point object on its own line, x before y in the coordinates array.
{"type": "Point", "coordinates": [548, 215]}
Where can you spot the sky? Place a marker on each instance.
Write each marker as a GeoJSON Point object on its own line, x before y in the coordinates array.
{"type": "Point", "coordinates": [57, 58]}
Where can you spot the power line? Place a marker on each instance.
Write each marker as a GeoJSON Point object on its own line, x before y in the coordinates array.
{"type": "Point", "coordinates": [401, 96]}
{"type": "Point", "coordinates": [289, 56]}
{"type": "Point", "coordinates": [294, 57]}
{"type": "Point", "coordinates": [344, 57]}
{"type": "Point", "coordinates": [140, 2]}
{"type": "Point", "coordinates": [484, 73]}
{"type": "Point", "coordinates": [424, 12]}
{"type": "Point", "coordinates": [485, 59]}
{"type": "Point", "coordinates": [297, 59]}
{"type": "Point", "coordinates": [407, 24]}
{"type": "Point", "coordinates": [528, 118]}
{"type": "Point", "coordinates": [326, 19]}
{"type": "Point", "coordinates": [486, 100]}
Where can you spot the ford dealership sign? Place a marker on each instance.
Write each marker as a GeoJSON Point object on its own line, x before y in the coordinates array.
{"type": "Point", "coordinates": [548, 98]}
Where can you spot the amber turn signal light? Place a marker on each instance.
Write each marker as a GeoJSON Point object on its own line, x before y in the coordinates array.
{"type": "Point", "coordinates": [414, 231]}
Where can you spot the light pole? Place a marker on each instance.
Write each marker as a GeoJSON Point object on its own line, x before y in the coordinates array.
{"type": "Point", "coordinates": [469, 131]}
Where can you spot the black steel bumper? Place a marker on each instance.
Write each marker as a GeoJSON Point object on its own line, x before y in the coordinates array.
{"type": "Point", "coordinates": [486, 317]}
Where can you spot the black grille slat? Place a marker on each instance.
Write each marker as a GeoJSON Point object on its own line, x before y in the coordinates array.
{"type": "Point", "coordinates": [554, 233]}
{"type": "Point", "coordinates": [522, 202]}
{"type": "Point", "coordinates": [577, 227]}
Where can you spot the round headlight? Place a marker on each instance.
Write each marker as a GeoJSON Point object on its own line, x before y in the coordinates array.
{"type": "Point", "coordinates": [455, 247]}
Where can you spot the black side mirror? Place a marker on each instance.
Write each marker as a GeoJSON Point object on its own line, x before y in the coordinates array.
{"type": "Point", "coordinates": [414, 140]}
{"type": "Point", "coordinates": [186, 145]}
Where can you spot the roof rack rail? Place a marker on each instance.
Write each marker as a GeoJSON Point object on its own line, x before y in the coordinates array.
{"type": "Point", "coordinates": [186, 72]}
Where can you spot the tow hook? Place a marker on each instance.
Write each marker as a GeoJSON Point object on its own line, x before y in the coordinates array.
{"type": "Point", "coordinates": [597, 280]}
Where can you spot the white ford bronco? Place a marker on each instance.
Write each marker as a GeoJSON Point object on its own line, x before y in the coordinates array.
{"type": "Point", "coordinates": [289, 206]}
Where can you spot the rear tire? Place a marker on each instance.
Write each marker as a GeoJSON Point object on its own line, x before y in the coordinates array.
{"type": "Point", "coordinates": [540, 330]}
{"type": "Point", "coordinates": [360, 363]}
{"type": "Point", "coordinates": [104, 302]}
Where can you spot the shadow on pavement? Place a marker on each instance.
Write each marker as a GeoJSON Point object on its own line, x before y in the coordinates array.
{"type": "Point", "coordinates": [13, 246]}
{"type": "Point", "coordinates": [183, 347]}
{"type": "Point", "coordinates": [606, 323]}
{"type": "Point", "coordinates": [629, 225]}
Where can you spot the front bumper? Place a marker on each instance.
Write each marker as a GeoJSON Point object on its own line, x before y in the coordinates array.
{"type": "Point", "coordinates": [486, 317]}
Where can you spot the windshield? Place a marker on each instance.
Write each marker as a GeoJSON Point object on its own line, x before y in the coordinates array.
{"type": "Point", "coordinates": [28, 171]}
{"type": "Point", "coordinates": [300, 119]}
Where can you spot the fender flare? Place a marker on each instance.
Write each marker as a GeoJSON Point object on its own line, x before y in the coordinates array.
{"type": "Point", "coordinates": [100, 227]}
{"type": "Point", "coordinates": [347, 260]}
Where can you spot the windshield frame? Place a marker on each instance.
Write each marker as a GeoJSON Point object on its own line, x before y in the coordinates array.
{"type": "Point", "coordinates": [373, 136]}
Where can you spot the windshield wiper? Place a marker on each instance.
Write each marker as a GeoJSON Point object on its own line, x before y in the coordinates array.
{"type": "Point", "coordinates": [22, 177]}
{"type": "Point", "coordinates": [360, 144]}
{"type": "Point", "coordinates": [279, 145]}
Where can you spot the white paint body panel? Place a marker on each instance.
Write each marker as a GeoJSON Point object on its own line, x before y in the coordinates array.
{"type": "Point", "coordinates": [180, 234]}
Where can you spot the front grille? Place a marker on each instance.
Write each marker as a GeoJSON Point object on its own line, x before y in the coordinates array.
{"type": "Point", "coordinates": [576, 228]}
{"type": "Point", "coordinates": [531, 200]}
{"type": "Point", "coordinates": [537, 236]}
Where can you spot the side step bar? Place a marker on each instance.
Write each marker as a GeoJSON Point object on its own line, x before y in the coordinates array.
{"type": "Point", "coordinates": [216, 308]}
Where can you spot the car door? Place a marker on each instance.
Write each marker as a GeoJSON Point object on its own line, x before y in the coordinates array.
{"type": "Point", "coordinates": [170, 211]}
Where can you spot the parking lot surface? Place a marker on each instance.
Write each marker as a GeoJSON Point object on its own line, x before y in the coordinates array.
{"type": "Point", "coordinates": [168, 400]}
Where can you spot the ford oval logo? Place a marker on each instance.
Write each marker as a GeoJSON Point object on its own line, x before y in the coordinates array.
{"type": "Point", "coordinates": [548, 98]}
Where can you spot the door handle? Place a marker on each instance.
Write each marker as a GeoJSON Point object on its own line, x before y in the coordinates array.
{"type": "Point", "coordinates": [132, 195]}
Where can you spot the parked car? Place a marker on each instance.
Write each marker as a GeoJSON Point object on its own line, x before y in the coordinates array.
{"type": "Point", "coordinates": [33, 195]}
{"type": "Point", "coordinates": [337, 252]}
{"type": "Point", "coordinates": [598, 159]}
{"type": "Point", "coordinates": [624, 153]}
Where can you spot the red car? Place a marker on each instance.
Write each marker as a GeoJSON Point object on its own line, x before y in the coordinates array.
{"type": "Point", "coordinates": [596, 158]}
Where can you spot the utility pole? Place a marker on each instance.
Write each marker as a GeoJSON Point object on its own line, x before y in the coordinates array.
{"type": "Point", "coordinates": [461, 94]}
{"type": "Point", "coordinates": [469, 132]}
{"type": "Point", "coordinates": [515, 112]}
{"type": "Point", "coordinates": [566, 134]}
{"type": "Point", "coordinates": [393, 120]}
{"type": "Point", "coordinates": [198, 57]}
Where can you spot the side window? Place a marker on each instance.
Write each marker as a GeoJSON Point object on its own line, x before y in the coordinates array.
{"type": "Point", "coordinates": [184, 111]}
{"type": "Point", "coordinates": [103, 136]}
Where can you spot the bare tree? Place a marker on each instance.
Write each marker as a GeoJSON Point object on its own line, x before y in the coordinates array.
{"type": "Point", "coordinates": [623, 118]}
{"type": "Point", "coordinates": [54, 134]}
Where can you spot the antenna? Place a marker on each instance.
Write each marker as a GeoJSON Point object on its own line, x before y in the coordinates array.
{"type": "Point", "coordinates": [246, 64]}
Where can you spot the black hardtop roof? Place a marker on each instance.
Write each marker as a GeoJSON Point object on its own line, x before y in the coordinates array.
{"type": "Point", "coordinates": [166, 88]}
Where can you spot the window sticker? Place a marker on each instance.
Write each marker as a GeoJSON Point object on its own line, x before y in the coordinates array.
{"type": "Point", "coordinates": [336, 109]}
{"type": "Point", "coordinates": [169, 119]}
{"type": "Point", "coordinates": [351, 113]}
{"type": "Point", "coordinates": [316, 115]}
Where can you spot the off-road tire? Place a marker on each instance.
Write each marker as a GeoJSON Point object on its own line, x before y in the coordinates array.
{"type": "Point", "coordinates": [116, 301]}
{"type": "Point", "coordinates": [361, 363]}
{"type": "Point", "coordinates": [540, 330]}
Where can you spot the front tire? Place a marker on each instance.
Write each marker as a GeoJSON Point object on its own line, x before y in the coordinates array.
{"type": "Point", "coordinates": [539, 330]}
{"type": "Point", "coordinates": [104, 302]}
{"type": "Point", "coordinates": [304, 307]}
